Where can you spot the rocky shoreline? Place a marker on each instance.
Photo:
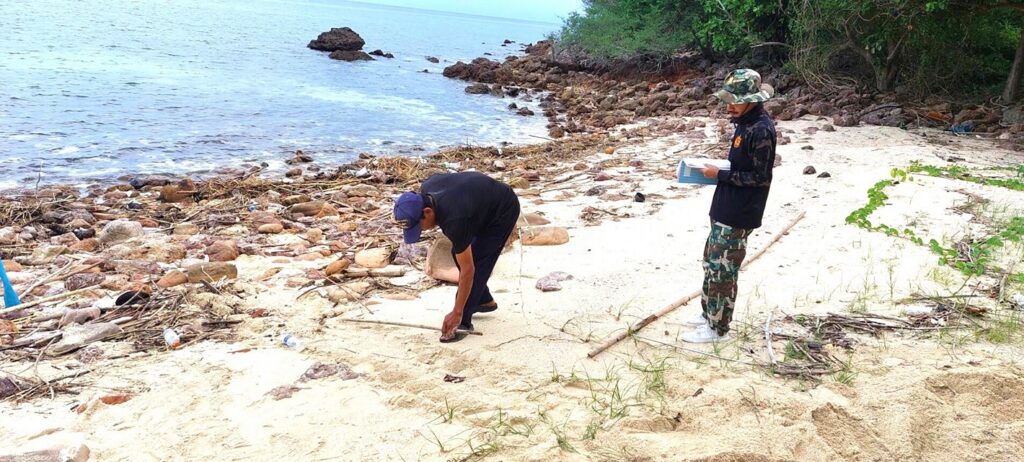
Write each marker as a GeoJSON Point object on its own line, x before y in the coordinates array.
{"type": "Point", "coordinates": [111, 264]}
{"type": "Point", "coordinates": [165, 240]}
{"type": "Point", "coordinates": [580, 100]}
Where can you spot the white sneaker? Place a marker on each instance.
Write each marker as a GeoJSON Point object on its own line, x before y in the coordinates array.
{"type": "Point", "coordinates": [695, 319]}
{"type": "Point", "coordinates": [703, 334]}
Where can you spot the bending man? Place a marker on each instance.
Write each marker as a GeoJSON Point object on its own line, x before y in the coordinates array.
{"type": "Point", "coordinates": [478, 214]}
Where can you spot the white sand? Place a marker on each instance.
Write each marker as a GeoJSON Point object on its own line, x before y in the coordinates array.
{"type": "Point", "coordinates": [527, 379]}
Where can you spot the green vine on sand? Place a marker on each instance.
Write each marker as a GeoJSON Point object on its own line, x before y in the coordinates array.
{"type": "Point", "coordinates": [971, 260]}
{"type": "Point", "coordinates": [957, 172]}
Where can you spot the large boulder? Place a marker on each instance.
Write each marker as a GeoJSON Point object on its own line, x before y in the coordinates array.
{"type": "Point", "coordinates": [478, 89]}
{"type": "Point", "coordinates": [480, 70]}
{"type": "Point", "coordinates": [338, 39]}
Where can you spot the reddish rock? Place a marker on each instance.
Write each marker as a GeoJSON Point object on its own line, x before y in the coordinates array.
{"type": "Point", "coordinates": [337, 267]}
{"type": "Point", "coordinates": [295, 199]}
{"type": "Point", "coordinates": [226, 250]}
{"type": "Point", "coordinates": [271, 228]}
{"type": "Point", "coordinates": [308, 209]}
{"type": "Point", "coordinates": [211, 272]}
{"type": "Point", "coordinates": [86, 245]}
{"type": "Point", "coordinates": [174, 278]}
{"type": "Point", "coordinates": [173, 193]}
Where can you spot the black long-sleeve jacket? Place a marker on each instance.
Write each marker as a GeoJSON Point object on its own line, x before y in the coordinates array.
{"type": "Point", "coordinates": [742, 191]}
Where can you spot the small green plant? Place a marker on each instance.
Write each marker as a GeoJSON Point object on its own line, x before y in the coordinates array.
{"type": "Point", "coordinates": [437, 441]}
{"type": "Point", "coordinates": [793, 353]}
{"type": "Point", "coordinates": [845, 374]}
{"type": "Point", "coordinates": [561, 437]}
{"type": "Point", "coordinates": [449, 412]}
{"type": "Point", "coordinates": [590, 433]}
{"type": "Point", "coordinates": [1005, 329]}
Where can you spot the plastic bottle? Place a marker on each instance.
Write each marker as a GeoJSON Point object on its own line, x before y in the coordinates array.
{"type": "Point", "coordinates": [1018, 299]}
{"type": "Point", "coordinates": [171, 338]}
{"type": "Point", "coordinates": [290, 341]}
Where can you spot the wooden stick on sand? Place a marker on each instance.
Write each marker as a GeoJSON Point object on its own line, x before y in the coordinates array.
{"type": "Point", "coordinates": [405, 324]}
{"type": "Point", "coordinates": [682, 301]}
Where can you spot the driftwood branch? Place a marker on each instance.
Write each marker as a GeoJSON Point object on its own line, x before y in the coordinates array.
{"type": "Point", "coordinates": [405, 324]}
{"type": "Point", "coordinates": [682, 301]}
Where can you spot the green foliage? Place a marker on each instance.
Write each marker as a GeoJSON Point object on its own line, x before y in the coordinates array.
{"type": "Point", "coordinates": [957, 172]}
{"type": "Point", "coordinates": [919, 45]}
{"type": "Point", "coordinates": [973, 259]}
{"type": "Point", "coordinates": [618, 29]}
{"type": "Point", "coordinates": [915, 46]}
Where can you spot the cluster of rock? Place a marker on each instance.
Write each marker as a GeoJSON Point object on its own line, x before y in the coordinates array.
{"type": "Point", "coordinates": [578, 100]}
{"type": "Point", "coordinates": [345, 44]}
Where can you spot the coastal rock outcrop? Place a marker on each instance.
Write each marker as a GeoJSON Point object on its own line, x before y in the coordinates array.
{"type": "Point", "coordinates": [345, 55]}
{"type": "Point", "coordinates": [338, 39]}
{"type": "Point", "coordinates": [382, 54]}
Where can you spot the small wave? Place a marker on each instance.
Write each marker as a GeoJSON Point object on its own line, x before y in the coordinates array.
{"type": "Point", "coordinates": [375, 103]}
{"type": "Point", "coordinates": [67, 150]}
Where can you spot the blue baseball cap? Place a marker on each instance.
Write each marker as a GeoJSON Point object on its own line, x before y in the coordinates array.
{"type": "Point", "coordinates": [409, 211]}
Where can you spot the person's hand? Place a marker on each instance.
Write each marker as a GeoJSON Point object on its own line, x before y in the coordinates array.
{"type": "Point", "coordinates": [710, 171]}
{"type": "Point", "coordinates": [451, 324]}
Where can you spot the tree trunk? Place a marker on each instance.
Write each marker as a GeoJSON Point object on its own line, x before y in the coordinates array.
{"type": "Point", "coordinates": [1013, 82]}
{"type": "Point", "coordinates": [886, 75]}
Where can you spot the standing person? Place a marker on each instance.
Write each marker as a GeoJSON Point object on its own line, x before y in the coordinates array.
{"type": "Point", "coordinates": [739, 201]}
{"type": "Point", "coordinates": [478, 214]}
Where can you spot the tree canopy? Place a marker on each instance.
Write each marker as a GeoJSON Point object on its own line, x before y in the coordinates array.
{"type": "Point", "coordinates": [911, 46]}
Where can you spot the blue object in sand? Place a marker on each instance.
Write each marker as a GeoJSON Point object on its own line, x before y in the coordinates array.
{"type": "Point", "coordinates": [10, 296]}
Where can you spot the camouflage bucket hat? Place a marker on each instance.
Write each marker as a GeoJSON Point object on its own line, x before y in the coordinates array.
{"type": "Point", "coordinates": [744, 86]}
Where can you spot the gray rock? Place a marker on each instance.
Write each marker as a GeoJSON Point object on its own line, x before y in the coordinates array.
{"type": "Point", "coordinates": [551, 282]}
{"type": "Point", "coordinates": [341, 55]}
{"type": "Point", "coordinates": [119, 231]}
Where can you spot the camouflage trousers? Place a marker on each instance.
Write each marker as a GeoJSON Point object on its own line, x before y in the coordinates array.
{"type": "Point", "coordinates": [723, 255]}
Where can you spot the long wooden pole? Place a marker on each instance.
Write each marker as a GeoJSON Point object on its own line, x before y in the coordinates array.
{"type": "Point", "coordinates": [682, 301]}
{"type": "Point", "coordinates": [405, 324]}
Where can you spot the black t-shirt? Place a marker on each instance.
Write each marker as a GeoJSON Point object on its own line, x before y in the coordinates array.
{"type": "Point", "coordinates": [471, 204]}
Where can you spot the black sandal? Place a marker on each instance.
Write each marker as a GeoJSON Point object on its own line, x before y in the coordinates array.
{"type": "Point", "coordinates": [486, 308]}
{"type": "Point", "coordinates": [455, 338]}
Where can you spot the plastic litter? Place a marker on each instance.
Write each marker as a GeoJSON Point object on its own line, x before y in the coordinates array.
{"type": "Point", "coordinates": [171, 338]}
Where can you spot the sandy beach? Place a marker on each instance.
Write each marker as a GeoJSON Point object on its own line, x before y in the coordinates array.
{"type": "Point", "coordinates": [526, 390]}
